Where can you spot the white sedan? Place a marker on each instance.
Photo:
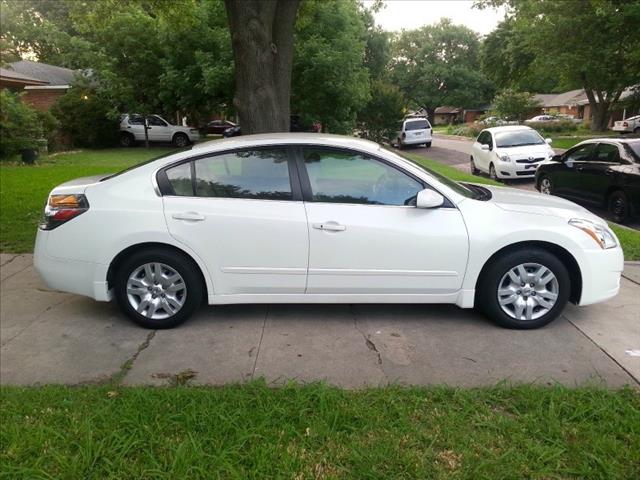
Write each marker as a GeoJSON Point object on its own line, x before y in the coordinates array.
{"type": "Point", "coordinates": [509, 152]}
{"type": "Point", "coordinates": [313, 218]}
{"type": "Point", "coordinates": [628, 125]}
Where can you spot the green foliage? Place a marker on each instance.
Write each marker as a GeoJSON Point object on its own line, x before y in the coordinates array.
{"type": "Point", "coordinates": [562, 126]}
{"type": "Point", "coordinates": [84, 118]}
{"type": "Point", "coordinates": [512, 105]}
{"type": "Point", "coordinates": [471, 130]}
{"type": "Point", "coordinates": [440, 65]}
{"type": "Point", "coordinates": [20, 126]}
{"type": "Point", "coordinates": [330, 83]}
{"type": "Point", "coordinates": [378, 120]}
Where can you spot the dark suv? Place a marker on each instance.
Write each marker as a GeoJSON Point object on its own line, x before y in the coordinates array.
{"type": "Point", "coordinates": [601, 171]}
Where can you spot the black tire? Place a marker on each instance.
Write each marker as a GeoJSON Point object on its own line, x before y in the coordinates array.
{"type": "Point", "coordinates": [488, 285]}
{"type": "Point", "coordinates": [127, 140]}
{"type": "Point", "coordinates": [428, 144]}
{"type": "Point", "coordinates": [180, 140]}
{"type": "Point", "coordinates": [400, 145]}
{"type": "Point", "coordinates": [179, 262]}
{"type": "Point", "coordinates": [545, 185]}
{"type": "Point", "coordinates": [618, 206]}
{"type": "Point", "coordinates": [474, 169]}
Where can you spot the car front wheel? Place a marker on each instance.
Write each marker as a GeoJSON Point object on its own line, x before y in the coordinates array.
{"type": "Point", "coordinates": [524, 289]}
{"type": "Point", "coordinates": [180, 140]}
{"type": "Point", "coordinates": [158, 288]}
{"type": "Point", "coordinates": [619, 206]}
{"type": "Point", "coordinates": [546, 186]}
{"type": "Point", "coordinates": [474, 169]}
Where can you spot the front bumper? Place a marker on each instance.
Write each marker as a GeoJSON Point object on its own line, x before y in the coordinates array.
{"type": "Point", "coordinates": [512, 169]}
{"type": "Point", "coordinates": [72, 276]}
{"type": "Point", "coordinates": [601, 272]}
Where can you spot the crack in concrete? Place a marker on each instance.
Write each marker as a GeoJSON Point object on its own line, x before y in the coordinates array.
{"type": "Point", "coordinates": [36, 320]}
{"type": "Point", "coordinates": [117, 378]}
{"type": "Point", "coordinates": [367, 338]}
{"type": "Point", "coordinates": [637, 380]}
{"type": "Point", "coordinates": [264, 323]}
{"type": "Point", "coordinates": [10, 260]}
{"type": "Point", "coordinates": [15, 273]}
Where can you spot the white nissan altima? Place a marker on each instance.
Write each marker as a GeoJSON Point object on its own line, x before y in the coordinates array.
{"type": "Point", "coordinates": [312, 218]}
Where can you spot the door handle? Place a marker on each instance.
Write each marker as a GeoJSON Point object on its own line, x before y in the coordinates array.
{"type": "Point", "coordinates": [330, 226]}
{"type": "Point", "coordinates": [188, 216]}
{"type": "Point", "coordinates": [579, 168]}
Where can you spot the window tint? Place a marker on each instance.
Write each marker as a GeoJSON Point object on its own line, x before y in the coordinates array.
{"type": "Point", "coordinates": [156, 122]}
{"type": "Point", "coordinates": [259, 174]}
{"type": "Point", "coordinates": [416, 125]}
{"type": "Point", "coordinates": [180, 179]}
{"type": "Point", "coordinates": [633, 148]}
{"type": "Point", "coordinates": [136, 120]}
{"type": "Point", "coordinates": [349, 177]}
{"type": "Point", "coordinates": [607, 153]}
{"type": "Point", "coordinates": [581, 153]}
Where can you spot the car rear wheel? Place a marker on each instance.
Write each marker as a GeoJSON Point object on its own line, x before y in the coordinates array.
{"type": "Point", "coordinates": [158, 288]}
{"type": "Point", "coordinates": [618, 206]}
{"type": "Point", "coordinates": [546, 186]}
{"type": "Point", "coordinates": [428, 144]}
{"type": "Point", "coordinates": [127, 140]}
{"type": "Point", "coordinates": [524, 289]}
{"type": "Point", "coordinates": [180, 140]}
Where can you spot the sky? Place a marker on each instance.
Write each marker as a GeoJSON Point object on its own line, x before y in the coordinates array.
{"type": "Point", "coordinates": [411, 14]}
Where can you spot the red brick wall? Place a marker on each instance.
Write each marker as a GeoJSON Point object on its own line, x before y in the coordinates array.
{"type": "Point", "coordinates": [42, 99]}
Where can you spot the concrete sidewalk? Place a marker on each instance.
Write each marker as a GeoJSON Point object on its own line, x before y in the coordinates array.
{"type": "Point", "coordinates": [52, 337]}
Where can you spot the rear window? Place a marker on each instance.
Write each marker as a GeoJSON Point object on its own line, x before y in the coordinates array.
{"type": "Point", "coordinates": [417, 125]}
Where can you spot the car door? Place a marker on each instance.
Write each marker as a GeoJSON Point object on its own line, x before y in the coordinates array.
{"type": "Point", "coordinates": [159, 130]}
{"type": "Point", "coordinates": [596, 173]}
{"type": "Point", "coordinates": [242, 213]}
{"type": "Point", "coordinates": [566, 178]}
{"type": "Point", "coordinates": [365, 235]}
{"type": "Point", "coordinates": [135, 125]}
{"type": "Point", "coordinates": [480, 156]}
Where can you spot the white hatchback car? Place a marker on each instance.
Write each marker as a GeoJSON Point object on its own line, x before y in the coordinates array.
{"type": "Point", "coordinates": [509, 152]}
{"type": "Point", "coordinates": [314, 218]}
{"type": "Point", "coordinates": [158, 130]}
{"type": "Point", "coordinates": [414, 131]}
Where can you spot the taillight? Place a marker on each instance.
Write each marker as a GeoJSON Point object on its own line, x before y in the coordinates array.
{"type": "Point", "coordinates": [62, 208]}
{"type": "Point", "coordinates": [625, 124]}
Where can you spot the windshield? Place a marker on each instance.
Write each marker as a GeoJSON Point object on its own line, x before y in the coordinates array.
{"type": "Point", "coordinates": [469, 191]}
{"type": "Point", "coordinates": [634, 148]}
{"type": "Point", "coordinates": [518, 138]}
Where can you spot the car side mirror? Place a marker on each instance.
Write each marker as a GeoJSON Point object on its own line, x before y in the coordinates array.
{"type": "Point", "coordinates": [428, 198]}
{"type": "Point", "coordinates": [548, 140]}
{"type": "Point", "coordinates": [485, 147]}
{"type": "Point", "coordinates": [556, 158]}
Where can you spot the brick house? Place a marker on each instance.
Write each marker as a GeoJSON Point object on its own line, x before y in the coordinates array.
{"type": "Point", "coordinates": [41, 83]}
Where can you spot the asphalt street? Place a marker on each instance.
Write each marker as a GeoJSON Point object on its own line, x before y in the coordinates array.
{"type": "Point", "coordinates": [52, 337]}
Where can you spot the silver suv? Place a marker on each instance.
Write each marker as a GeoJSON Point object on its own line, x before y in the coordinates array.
{"type": "Point", "coordinates": [159, 130]}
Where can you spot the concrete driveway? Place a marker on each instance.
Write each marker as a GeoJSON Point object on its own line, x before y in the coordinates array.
{"type": "Point", "coordinates": [52, 337]}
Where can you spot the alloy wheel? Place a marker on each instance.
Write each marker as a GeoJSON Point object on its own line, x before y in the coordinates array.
{"type": "Point", "coordinates": [156, 291]}
{"type": "Point", "coordinates": [545, 186]}
{"type": "Point", "coordinates": [528, 291]}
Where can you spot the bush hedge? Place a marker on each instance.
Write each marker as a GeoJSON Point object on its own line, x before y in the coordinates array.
{"type": "Point", "coordinates": [20, 125]}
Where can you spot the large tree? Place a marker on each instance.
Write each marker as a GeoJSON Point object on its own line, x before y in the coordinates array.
{"type": "Point", "coordinates": [439, 65]}
{"type": "Point", "coordinates": [262, 41]}
{"type": "Point", "coordinates": [591, 43]}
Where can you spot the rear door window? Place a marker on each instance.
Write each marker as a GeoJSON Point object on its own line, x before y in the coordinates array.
{"type": "Point", "coordinates": [607, 152]}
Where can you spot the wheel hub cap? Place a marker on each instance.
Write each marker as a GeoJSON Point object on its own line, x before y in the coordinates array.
{"type": "Point", "coordinates": [156, 291]}
{"type": "Point", "coordinates": [528, 291]}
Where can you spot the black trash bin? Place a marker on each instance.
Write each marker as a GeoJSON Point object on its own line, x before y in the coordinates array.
{"type": "Point", "coordinates": [29, 155]}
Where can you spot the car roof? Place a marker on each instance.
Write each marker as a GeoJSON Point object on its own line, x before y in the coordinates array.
{"type": "Point", "coordinates": [300, 138]}
{"type": "Point", "coordinates": [610, 139]}
{"type": "Point", "coordinates": [508, 128]}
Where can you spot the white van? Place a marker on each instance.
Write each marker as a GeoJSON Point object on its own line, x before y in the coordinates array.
{"type": "Point", "coordinates": [414, 131]}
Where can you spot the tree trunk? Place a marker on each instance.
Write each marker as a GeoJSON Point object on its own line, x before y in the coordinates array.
{"type": "Point", "coordinates": [146, 134]}
{"type": "Point", "coordinates": [262, 41]}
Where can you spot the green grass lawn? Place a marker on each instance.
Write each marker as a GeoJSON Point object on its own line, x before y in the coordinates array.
{"type": "Point", "coordinates": [24, 189]}
{"type": "Point", "coordinates": [318, 432]}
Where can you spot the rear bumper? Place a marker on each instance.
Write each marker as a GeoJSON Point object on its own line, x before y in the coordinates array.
{"type": "Point", "coordinates": [72, 276]}
{"type": "Point", "coordinates": [601, 272]}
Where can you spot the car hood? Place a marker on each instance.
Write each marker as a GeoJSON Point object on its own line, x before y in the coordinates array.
{"type": "Point", "coordinates": [514, 200]}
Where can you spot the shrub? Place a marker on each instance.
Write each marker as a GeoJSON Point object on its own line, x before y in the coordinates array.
{"type": "Point", "coordinates": [563, 126]}
{"type": "Point", "coordinates": [512, 105]}
{"type": "Point", "coordinates": [467, 130]}
{"type": "Point", "coordinates": [20, 126]}
{"type": "Point", "coordinates": [380, 117]}
{"type": "Point", "coordinates": [84, 118]}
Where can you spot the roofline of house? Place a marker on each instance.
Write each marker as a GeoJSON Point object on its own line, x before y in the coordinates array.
{"type": "Point", "coordinates": [22, 80]}
{"type": "Point", "coordinates": [47, 87]}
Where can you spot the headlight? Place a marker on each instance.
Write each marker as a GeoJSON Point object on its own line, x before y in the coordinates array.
{"type": "Point", "coordinates": [504, 158]}
{"type": "Point", "coordinates": [600, 234]}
